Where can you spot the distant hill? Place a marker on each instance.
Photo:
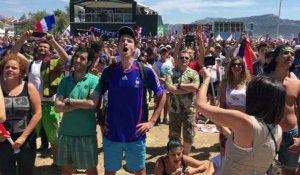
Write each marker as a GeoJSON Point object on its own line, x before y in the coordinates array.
{"type": "Point", "coordinates": [262, 24]}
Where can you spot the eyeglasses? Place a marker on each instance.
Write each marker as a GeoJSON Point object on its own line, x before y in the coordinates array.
{"type": "Point", "coordinates": [184, 58]}
{"type": "Point", "coordinates": [236, 65]}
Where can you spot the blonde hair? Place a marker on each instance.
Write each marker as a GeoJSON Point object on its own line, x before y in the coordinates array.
{"type": "Point", "coordinates": [229, 77]}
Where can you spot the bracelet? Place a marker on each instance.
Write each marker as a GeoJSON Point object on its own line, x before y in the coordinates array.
{"type": "Point", "coordinates": [178, 85]}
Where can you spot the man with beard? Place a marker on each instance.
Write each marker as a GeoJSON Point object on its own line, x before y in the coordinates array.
{"type": "Point", "coordinates": [126, 124]}
{"type": "Point", "coordinates": [77, 98]}
{"type": "Point", "coordinates": [45, 73]}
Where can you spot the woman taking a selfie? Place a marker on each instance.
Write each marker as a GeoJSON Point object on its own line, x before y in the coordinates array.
{"type": "Point", "coordinates": [23, 111]}
{"type": "Point", "coordinates": [250, 149]}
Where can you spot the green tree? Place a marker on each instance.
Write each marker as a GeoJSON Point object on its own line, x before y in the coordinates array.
{"type": "Point", "coordinates": [61, 21]}
{"type": "Point", "coordinates": [23, 17]}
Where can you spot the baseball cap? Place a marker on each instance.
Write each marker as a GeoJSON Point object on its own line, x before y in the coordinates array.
{"type": "Point", "coordinates": [125, 30]}
{"type": "Point", "coordinates": [169, 47]}
{"type": "Point", "coordinates": [163, 49]}
{"type": "Point", "coordinates": [68, 48]}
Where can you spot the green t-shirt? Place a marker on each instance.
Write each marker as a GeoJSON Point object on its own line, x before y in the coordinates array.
{"type": "Point", "coordinates": [182, 103]}
{"type": "Point", "coordinates": [80, 122]}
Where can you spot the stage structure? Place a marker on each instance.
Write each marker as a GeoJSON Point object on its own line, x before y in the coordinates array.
{"type": "Point", "coordinates": [110, 15]}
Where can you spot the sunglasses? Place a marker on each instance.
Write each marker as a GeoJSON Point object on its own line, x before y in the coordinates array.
{"type": "Point", "coordinates": [184, 58]}
{"type": "Point", "coordinates": [236, 65]}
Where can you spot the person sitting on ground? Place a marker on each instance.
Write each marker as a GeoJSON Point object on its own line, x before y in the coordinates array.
{"type": "Point", "coordinates": [175, 162]}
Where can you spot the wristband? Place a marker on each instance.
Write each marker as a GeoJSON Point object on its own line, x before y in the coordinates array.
{"type": "Point", "coordinates": [178, 86]}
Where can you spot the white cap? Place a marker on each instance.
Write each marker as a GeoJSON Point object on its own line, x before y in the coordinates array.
{"type": "Point", "coordinates": [297, 47]}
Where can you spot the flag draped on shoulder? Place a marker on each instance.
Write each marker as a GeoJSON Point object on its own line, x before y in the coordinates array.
{"type": "Point", "coordinates": [45, 24]}
{"type": "Point", "coordinates": [245, 53]}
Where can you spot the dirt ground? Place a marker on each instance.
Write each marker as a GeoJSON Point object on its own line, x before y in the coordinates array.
{"type": "Point", "coordinates": [205, 146]}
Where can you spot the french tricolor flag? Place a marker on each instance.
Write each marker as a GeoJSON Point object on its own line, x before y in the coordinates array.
{"type": "Point", "coordinates": [45, 24]}
{"type": "Point", "coordinates": [245, 53]}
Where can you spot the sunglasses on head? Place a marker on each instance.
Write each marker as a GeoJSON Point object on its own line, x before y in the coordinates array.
{"type": "Point", "coordinates": [184, 58]}
{"type": "Point", "coordinates": [236, 65]}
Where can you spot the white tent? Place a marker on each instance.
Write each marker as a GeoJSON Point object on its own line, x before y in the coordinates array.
{"type": "Point", "coordinates": [229, 38]}
{"type": "Point", "coordinates": [219, 38]}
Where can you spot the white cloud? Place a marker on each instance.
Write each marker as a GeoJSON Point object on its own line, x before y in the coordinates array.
{"type": "Point", "coordinates": [189, 6]}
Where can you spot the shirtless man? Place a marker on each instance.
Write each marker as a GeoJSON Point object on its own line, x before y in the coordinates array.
{"type": "Point", "coordinates": [280, 69]}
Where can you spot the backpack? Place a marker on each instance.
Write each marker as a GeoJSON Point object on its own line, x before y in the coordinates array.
{"type": "Point", "coordinates": [102, 112]}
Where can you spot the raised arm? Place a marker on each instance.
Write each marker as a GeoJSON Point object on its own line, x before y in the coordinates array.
{"type": "Point", "coordinates": [201, 45]}
{"type": "Point", "coordinates": [60, 51]}
{"type": "Point", "coordinates": [239, 122]}
{"type": "Point", "coordinates": [19, 44]}
{"type": "Point", "coordinates": [177, 49]}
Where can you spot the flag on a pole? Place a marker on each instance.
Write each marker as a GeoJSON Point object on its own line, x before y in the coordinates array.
{"type": "Point", "coordinates": [6, 133]}
{"type": "Point", "coordinates": [3, 130]}
{"type": "Point", "coordinates": [67, 32]}
{"type": "Point", "coordinates": [45, 24]}
{"type": "Point", "coordinates": [245, 53]}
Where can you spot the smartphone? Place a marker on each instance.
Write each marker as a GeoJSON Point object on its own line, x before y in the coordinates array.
{"type": "Point", "coordinates": [209, 60]}
{"type": "Point", "coordinates": [189, 40]}
{"type": "Point", "coordinates": [39, 34]}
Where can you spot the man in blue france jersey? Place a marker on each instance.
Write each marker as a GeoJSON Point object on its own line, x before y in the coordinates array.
{"type": "Point", "coordinates": [125, 130]}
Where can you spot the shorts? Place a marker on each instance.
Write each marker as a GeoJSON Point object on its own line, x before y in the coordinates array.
{"type": "Point", "coordinates": [184, 121]}
{"type": "Point", "coordinates": [50, 120]}
{"type": "Point", "coordinates": [80, 151]}
{"type": "Point", "coordinates": [135, 155]}
{"type": "Point", "coordinates": [288, 159]}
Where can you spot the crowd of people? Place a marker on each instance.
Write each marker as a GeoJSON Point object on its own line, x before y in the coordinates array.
{"type": "Point", "coordinates": [60, 88]}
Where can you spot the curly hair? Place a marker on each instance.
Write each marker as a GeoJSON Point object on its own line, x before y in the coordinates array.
{"type": "Point", "coordinates": [23, 64]}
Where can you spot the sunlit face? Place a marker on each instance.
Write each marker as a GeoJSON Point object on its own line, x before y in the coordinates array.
{"type": "Point", "coordinates": [11, 70]}
{"type": "Point", "coordinates": [164, 55]}
{"type": "Point", "coordinates": [184, 59]}
{"type": "Point", "coordinates": [285, 59]}
{"type": "Point", "coordinates": [80, 62]}
{"type": "Point", "coordinates": [175, 155]}
{"type": "Point", "coordinates": [43, 49]}
{"type": "Point", "coordinates": [126, 46]}
{"type": "Point", "coordinates": [236, 66]}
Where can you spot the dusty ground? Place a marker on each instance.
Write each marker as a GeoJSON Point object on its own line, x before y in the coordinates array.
{"type": "Point", "coordinates": [205, 147]}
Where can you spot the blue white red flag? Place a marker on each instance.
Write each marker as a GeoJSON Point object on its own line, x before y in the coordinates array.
{"type": "Point", "coordinates": [45, 24]}
{"type": "Point", "coordinates": [245, 53]}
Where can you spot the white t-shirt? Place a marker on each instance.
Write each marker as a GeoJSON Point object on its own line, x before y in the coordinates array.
{"type": "Point", "coordinates": [34, 77]}
{"type": "Point", "coordinates": [163, 69]}
{"type": "Point", "coordinates": [214, 77]}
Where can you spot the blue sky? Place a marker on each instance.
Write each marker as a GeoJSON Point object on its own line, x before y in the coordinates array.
{"type": "Point", "coordinates": [175, 11]}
